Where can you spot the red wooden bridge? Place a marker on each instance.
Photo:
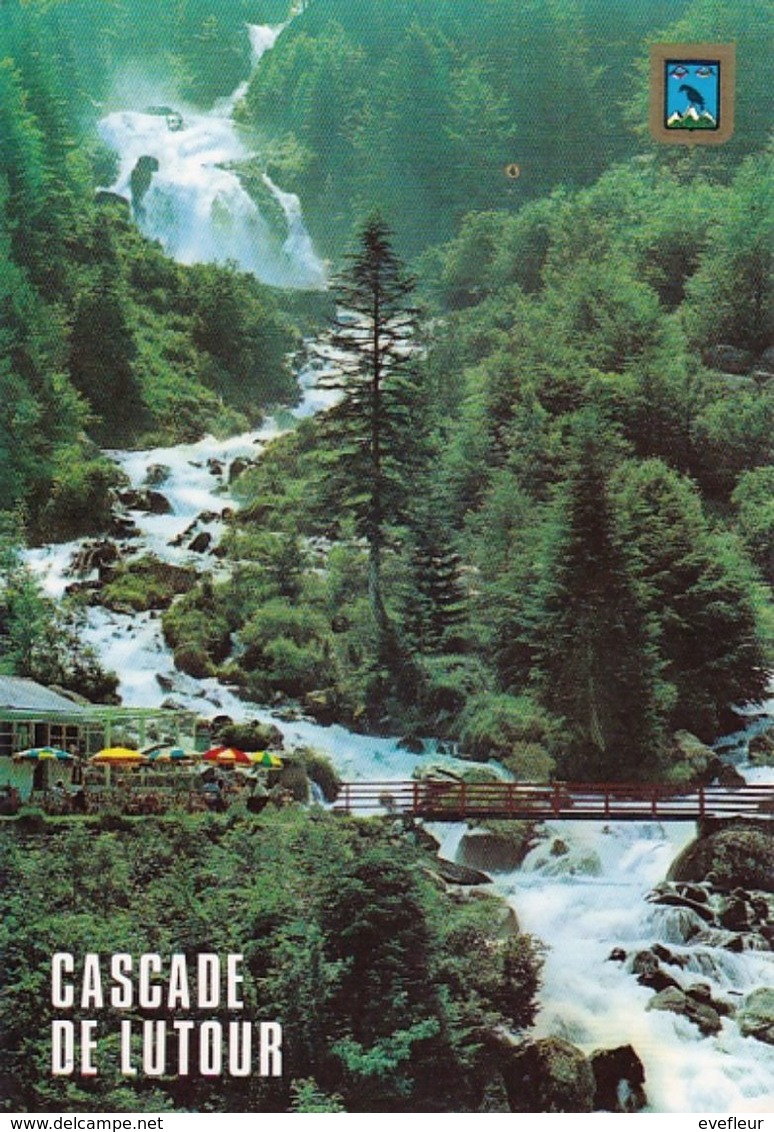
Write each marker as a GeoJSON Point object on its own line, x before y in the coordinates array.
{"type": "Point", "coordinates": [455, 801]}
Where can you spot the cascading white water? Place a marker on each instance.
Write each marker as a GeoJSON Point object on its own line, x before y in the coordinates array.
{"type": "Point", "coordinates": [194, 204]}
{"type": "Point", "coordinates": [588, 898]}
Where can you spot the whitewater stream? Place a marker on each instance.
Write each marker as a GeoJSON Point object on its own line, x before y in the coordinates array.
{"type": "Point", "coordinates": [582, 902]}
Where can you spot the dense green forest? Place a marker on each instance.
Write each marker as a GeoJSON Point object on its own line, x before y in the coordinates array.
{"type": "Point", "coordinates": [582, 566]}
{"type": "Point", "coordinates": [417, 106]}
{"type": "Point", "coordinates": [374, 972]}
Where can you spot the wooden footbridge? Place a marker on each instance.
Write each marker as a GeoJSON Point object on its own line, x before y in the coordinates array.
{"type": "Point", "coordinates": [457, 801]}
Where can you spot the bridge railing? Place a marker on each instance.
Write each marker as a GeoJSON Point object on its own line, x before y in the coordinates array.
{"type": "Point", "coordinates": [450, 800]}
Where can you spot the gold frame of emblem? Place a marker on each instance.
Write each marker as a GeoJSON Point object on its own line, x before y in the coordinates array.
{"type": "Point", "coordinates": [663, 53]}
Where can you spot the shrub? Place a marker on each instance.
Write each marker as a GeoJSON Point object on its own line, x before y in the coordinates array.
{"type": "Point", "coordinates": [512, 729]}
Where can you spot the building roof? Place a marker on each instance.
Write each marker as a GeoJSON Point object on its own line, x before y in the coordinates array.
{"type": "Point", "coordinates": [17, 693]}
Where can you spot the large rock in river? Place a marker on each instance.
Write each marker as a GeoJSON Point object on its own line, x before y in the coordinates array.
{"type": "Point", "coordinates": [549, 1075]}
{"type": "Point", "coordinates": [495, 850]}
{"type": "Point", "coordinates": [756, 1016]}
{"type": "Point", "coordinates": [740, 856]}
{"type": "Point", "coordinates": [620, 1077]}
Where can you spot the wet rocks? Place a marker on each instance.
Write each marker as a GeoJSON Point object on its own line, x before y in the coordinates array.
{"type": "Point", "coordinates": [201, 542]}
{"type": "Point", "coordinates": [495, 850]}
{"type": "Point", "coordinates": [649, 972]}
{"type": "Point", "coordinates": [558, 857]}
{"type": "Point", "coordinates": [619, 1078]}
{"type": "Point", "coordinates": [147, 500]}
{"type": "Point", "coordinates": [122, 527]}
{"type": "Point", "coordinates": [736, 920]}
{"type": "Point", "coordinates": [729, 776]}
{"type": "Point", "coordinates": [676, 1001]}
{"type": "Point", "coordinates": [680, 896]}
{"type": "Point", "coordinates": [193, 537]}
{"type": "Point", "coordinates": [453, 873]}
{"type": "Point", "coordinates": [761, 749]}
{"type": "Point", "coordinates": [140, 179]}
{"type": "Point", "coordinates": [667, 956]}
{"type": "Point", "coordinates": [157, 474]}
{"type": "Point", "coordinates": [238, 466]}
{"type": "Point", "coordinates": [92, 556]}
{"type": "Point", "coordinates": [549, 1075]}
{"type": "Point", "coordinates": [322, 705]}
{"type": "Point", "coordinates": [756, 1015]}
{"type": "Point", "coordinates": [413, 744]}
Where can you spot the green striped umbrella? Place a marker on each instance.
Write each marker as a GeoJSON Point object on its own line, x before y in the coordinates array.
{"type": "Point", "coordinates": [40, 753]}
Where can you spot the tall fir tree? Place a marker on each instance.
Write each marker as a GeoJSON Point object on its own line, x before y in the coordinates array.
{"type": "Point", "coordinates": [370, 436]}
{"type": "Point", "coordinates": [595, 661]}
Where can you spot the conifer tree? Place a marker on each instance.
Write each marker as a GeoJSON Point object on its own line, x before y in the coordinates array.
{"type": "Point", "coordinates": [437, 604]}
{"type": "Point", "coordinates": [370, 435]}
{"type": "Point", "coordinates": [596, 665]}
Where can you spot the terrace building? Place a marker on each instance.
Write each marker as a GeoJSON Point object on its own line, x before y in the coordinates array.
{"type": "Point", "coordinates": [32, 715]}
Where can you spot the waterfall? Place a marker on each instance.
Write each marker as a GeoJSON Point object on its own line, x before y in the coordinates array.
{"type": "Point", "coordinates": [176, 167]}
{"type": "Point", "coordinates": [587, 899]}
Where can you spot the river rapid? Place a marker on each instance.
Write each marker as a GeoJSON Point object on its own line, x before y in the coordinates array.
{"type": "Point", "coordinates": [581, 903]}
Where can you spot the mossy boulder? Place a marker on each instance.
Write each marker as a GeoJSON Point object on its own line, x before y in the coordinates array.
{"type": "Point", "coordinates": [620, 1078]}
{"type": "Point", "coordinates": [737, 857]}
{"type": "Point", "coordinates": [691, 762]}
{"type": "Point", "coordinates": [549, 1075]}
{"type": "Point", "coordinates": [320, 770]}
{"type": "Point", "coordinates": [249, 736]}
{"type": "Point", "coordinates": [756, 1015]}
{"type": "Point", "coordinates": [761, 749]}
{"type": "Point", "coordinates": [496, 849]}
{"type": "Point", "coordinates": [675, 1001]}
{"type": "Point", "coordinates": [146, 583]}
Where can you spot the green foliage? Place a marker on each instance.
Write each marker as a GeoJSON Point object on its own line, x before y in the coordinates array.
{"type": "Point", "coordinates": [371, 447]}
{"type": "Point", "coordinates": [512, 729]}
{"type": "Point", "coordinates": [197, 631]}
{"type": "Point", "coordinates": [80, 495]}
{"type": "Point", "coordinates": [39, 639]}
{"type": "Point", "coordinates": [308, 1098]}
{"type": "Point", "coordinates": [591, 642]}
{"type": "Point", "coordinates": [100, 332]}
{"type": "Point", "coordinates": [375, 975]}
{"type": "Point", "coordinates": [754, 500]}
{"type": "Point", "coordinates": [731, 295]}
{"type": "Point", "coordinates": [321, 771]}
{"type": "Point", "coordinates": [699, 593]}
{"type": "Point", "coordinates": [410, 111]}
{"type": "Point", "coordinates": [146, 583]}
{"type": "Point", "coordinates": [286, 647]}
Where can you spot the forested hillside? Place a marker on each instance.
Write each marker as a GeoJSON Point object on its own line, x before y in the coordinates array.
{"type": "Point", "coordinates": [417, 106]}
{"type": "Point", "coordinates": [582, 564]}
{"type": "Point", "coordinates": [374, 972]}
